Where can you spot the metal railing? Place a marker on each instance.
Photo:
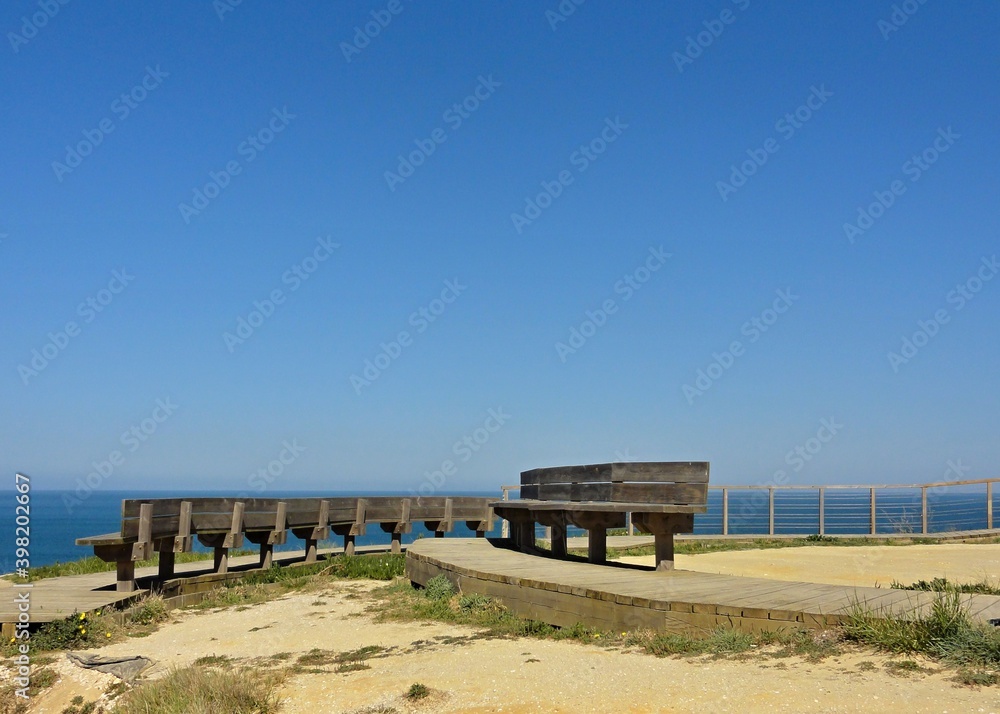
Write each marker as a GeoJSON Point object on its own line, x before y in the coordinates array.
{"type": "Point", "coordinates": [844, 509]}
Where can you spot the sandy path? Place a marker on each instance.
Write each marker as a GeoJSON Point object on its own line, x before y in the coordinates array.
{"type": "Point", "coordinates": [851, 565]}
{"type": "Point", "coordinates": [475, 675]}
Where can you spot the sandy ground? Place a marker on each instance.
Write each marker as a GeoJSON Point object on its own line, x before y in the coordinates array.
{"type": "Point", "coordinates": [469, 674]}
{"type": "Point", "coordinates": [855, 565]}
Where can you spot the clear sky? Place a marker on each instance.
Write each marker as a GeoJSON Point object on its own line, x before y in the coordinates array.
{"type": "Point", "coordinates": [608, 230]}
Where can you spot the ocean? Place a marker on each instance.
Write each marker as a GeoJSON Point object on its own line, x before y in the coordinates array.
{"type": "Point", "coordinates": [58, 518]}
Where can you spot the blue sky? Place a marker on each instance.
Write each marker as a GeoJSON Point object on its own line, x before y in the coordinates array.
{"type": "Point", "coordinates": [343, 166]}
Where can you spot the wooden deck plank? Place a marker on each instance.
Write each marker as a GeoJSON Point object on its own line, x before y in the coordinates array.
{"type": "Point", "coordinates": [602, 594]}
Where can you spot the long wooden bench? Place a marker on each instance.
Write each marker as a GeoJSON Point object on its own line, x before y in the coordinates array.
{"type": "Point", "coordinates": [661, 496]}
{"type": "Point", "coordinates": [168, 526]}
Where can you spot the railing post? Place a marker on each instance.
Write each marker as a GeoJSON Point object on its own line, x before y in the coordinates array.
{"type": "Point", "coordinates": [923, 509]}
{"type": "Point", "coordinates": [770, 509]}
{"type": "Point", "coordinates": [725, 511]}
{"type": "Point", "coordinates": [873, 511]}
{"type": "Point", "coordinates": [989, 504]}
{"type": "Point", "coordinates": [505, 524]}
{"type": "Point", "coordinates": [822, 513]}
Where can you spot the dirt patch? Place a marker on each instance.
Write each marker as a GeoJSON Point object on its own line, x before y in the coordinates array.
{"type": "Point", "coordinates": [468, 674]}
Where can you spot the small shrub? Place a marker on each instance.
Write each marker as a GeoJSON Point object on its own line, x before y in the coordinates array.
{"type": "Point", "coordinates": [417, 691]}
{"type": "Point", "coordinates": [977, 677]}
{"type": "Point", "coordinates": [439, 588]}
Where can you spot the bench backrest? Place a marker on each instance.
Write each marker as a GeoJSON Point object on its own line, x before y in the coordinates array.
{"type": "Point", "coordinates": [170, 516]}
{"type": "Point", "coordinates": [666, 482]}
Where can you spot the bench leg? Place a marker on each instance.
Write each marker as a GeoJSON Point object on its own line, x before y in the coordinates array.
{"type": "Point", "coordinates": [480, 534]}
{"type": "Point", "coordinates": [222, 560]}
{"type": "Point", "coordinates": [348, 545]}
{"type": "Point", "coordinates": [558, 541]}
{"type": "Point", "coordinates": [266, 555]}
{"type": "Point", "coordinates": [664, 543]}
{"type": "Point", "coordinates": [166, 567]}
{"type": "Point", "coordinates": [397, 546]}
{"type": "Point", "coordinates": [126, 576]}
{"type": "Point", "coordinates": [439, 534]}
{"type": "Point", "coordinates": [526, 535]}
{"type": "Point", "coordinates": [597, 545]}
{"type": "Point", "coordinates": [310, 550]}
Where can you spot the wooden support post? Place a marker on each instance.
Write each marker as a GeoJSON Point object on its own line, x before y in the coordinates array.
{"type": "Point", "coordinates": [923, 509]}
{"type": "Point", "coordinates": [629, 525]}
{"type": "Point", "coordinates": [526, 535]}
{"type": "Point", "coordinates": [557, 536]}
{"type": "Point", "coordinates": [597, 545]}
{"type": "Point", "coordinates": [126, 576]}
{"type": "Point", "coordinates": [439, 534]}
{"type": "Point", "coordinates": [480, 534]}
{"type": "Point", "coordinates": [397, 542]}
{"type": "Point", "coordinates": [873, 511]}
{"type": "Point", "coordinates": [770, 511]}
{"type": "Point", "coordinates": [311, 550]}
{"type": "Point", "coordinates": [822, 510]}
{"type": "Point", "coordinates": [165, 570]}
{"type": "Point", "coordinates": [349, 544]}
{"type": "Point", "coordinates": [725, 511]}
{"type": "Point", "coordinates": [266, 555]}
{"type": "Point", "coordinates": [221, 556]}
{"type": "Point", "coordinates": [664, 544]}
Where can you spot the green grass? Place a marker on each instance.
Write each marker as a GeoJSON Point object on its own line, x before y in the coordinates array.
{"type": "Point", "coordinates": [938, 585]}
{"type": "Point", "coordinates": [946, 633]}
{"type": "Point", "coordinates": [696, 547]}
{"type": "Point", "coordinates": [401, 602]}
{"type": "Point", "coordinates": [93, 564]}
{"type": "Point", "coordinates": [201, 690]}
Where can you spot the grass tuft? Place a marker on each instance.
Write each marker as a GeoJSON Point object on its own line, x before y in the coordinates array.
{"type": "Point", "coordinates": [198, 690]}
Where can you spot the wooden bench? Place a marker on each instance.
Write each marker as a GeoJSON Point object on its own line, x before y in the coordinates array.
{"type": "Point", "coordinates": [661, 496]}
{"type": "Point", "coordinates": [168, 526]}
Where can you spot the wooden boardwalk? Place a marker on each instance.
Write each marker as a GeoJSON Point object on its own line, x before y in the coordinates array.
{"type": "Point", "coordinates": [57, 598]}
{"type": "Point", "coordinates": [616, 597]}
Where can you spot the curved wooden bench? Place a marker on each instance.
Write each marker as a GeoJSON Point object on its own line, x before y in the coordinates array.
{"type": "Point", "coordinates": [169, 525]}
{"type": "Point", "coordinates": [661, 496]}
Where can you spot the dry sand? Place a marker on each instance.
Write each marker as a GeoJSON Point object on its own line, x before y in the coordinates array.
{"type": "Point", "coordinates": [475, 675]}
{"type": "Point", "coordinates": [870, 566]}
